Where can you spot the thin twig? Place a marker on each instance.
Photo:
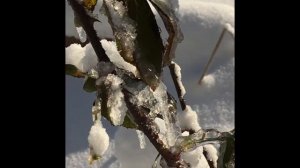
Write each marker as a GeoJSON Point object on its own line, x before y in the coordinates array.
{"type": "Point", "coordinates": [88, 27]}
{"type": "Point", "coordinates": [212, 56]}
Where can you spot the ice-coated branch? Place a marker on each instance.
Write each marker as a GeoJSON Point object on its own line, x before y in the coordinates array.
{"type": "Point", "coordinates": [88, 27]}
{"type": "Point", "coordinates": [151, 130]}
{"type": "Point", "coordinates": [202, 137]}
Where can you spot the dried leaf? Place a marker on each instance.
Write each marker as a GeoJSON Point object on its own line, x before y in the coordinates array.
{"type": "Point", "coordinates": [73, 71]}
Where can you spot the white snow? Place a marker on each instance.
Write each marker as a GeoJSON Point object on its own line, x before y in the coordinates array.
{"type": "Point", "coordinates": [185, 133]}
{"type": "Point", "coordinates": [229, 28]}
{"type": "Point", "coordinates": [207, 13]}
{"type": "Point", "coordinates": [197, 159]}
{"type": "Point", "coordinates": [98, 139]}
{"type": "Point", "coordinates": [115, 57]}
{"type": "Point", "coordinates": [83, 58]}
{"type": "Point", "coordinates": [212, 153]}
{"type": "Point", "coordinates": [80, 159]}
{"type": "Point", "coordinates": [141, 138]}
{"type": "Point", "coordinates": [188, 119]}
{"type": "Point", "coordinates": [179, 80]}
{"type": "Point", "coordinates": [115, 101]}
{"type": "Point", "coordinates": [193, 157]}
{"type": "Point", "coordinates": [208, 81]}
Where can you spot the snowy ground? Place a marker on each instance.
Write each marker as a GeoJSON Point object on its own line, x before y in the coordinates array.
{"type": "Point", "coordinates": [202, 22]}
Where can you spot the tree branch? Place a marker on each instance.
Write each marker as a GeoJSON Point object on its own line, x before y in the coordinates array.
{"type": "Point", "coordinates": [88, 27]}
{"type": "Point", "coordinates": [151, 130]}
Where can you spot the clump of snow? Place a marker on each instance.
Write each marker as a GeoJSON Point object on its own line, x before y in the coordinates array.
{"type": "Point", "coordinates": [115, 101]}
{"type": "Point", "coordinates": [81, 34]}
{"type": "Point", "coordinates": [141, 138]}
{"type": "Point", "coordinates": [115, 57]}
{"type": "Point", "coordinates": [188, 119]}
{"type": "Point", "coordinates": [179, 80]}
{"type": "Point", "coordinates": [98, 139]}
{"type": "Point", "coordinates": [229, 28]}
{"type": "Point", "coordinates": [84, 58]}
{"type": "Point", "coordinates": [208, 81]}
{"type": "Point", "coordinates": [212, 153]}
{"type": "Point", "coordinates": [197, 159]}
{"type": "Point", "coordinates": [185, 133]}
{"type": "Point", "coordinates": [193, 157]}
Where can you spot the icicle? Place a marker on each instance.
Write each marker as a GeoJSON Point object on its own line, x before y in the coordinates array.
{"type": "Point", "coordinates": [142, 140]}
{"type": "Point", "coordinates": [96, 111]}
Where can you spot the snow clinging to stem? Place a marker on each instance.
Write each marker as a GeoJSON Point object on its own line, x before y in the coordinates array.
{"type": "Point", "coordinates": [141, 138]}
{"type": "Point", "coordinates": [178, 77]}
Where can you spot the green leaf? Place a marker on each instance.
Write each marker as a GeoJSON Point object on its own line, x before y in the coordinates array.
{"type": "Point", "coordinates": [73, 71]}
{"type": "Point", "coordinates": [227, 152]}
{"type": "Point", "coordinates": [148, 43]}
{"type": "Point", "coordinates": [128, 122]}
{"type": "Point", "coordinates": [90, 85]}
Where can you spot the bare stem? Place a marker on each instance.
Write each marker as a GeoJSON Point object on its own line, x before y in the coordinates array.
{"type": "Point", "coordinates": [212, 56]}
